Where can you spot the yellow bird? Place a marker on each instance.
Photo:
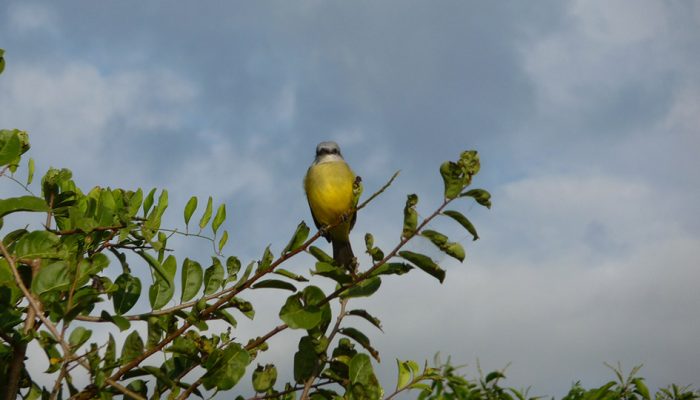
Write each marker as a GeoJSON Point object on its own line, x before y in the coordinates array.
{"type": "Point", "coordinates": [329, 189]}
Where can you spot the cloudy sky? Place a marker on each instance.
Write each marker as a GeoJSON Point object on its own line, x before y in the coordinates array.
{"type": "Point", "coordinates": [585, 113]}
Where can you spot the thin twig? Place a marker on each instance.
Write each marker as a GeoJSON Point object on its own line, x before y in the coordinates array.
{"type": "Point", "coordinates": [12, 178]}
{"type": "Point", "coordinates": [378, 192]}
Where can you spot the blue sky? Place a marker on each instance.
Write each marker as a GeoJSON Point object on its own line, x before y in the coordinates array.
{"type": "Point", "coordinates": [585, 114]}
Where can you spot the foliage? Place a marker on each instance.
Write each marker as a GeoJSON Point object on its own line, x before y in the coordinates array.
{"type": "Point", "coordinates": [58, 280]}
{"type": "Point", "coordinates": [450, 385]}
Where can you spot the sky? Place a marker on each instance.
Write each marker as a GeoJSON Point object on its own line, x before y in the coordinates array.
{"type": "Point", "coordinates": [585, 115]}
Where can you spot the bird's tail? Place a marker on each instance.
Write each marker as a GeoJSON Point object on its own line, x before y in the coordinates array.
{"type": "Point", "coordinates": [342, 253]}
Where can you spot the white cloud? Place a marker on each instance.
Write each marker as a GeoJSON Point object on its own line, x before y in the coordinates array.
{"type": "Point", "coordinates": [30, 17]}
{"type": "Point", "coordinates": [604, 47]}
{"type": "Point", "coordinates": [620, 23]}
{"type": "Point", "coordinates": [73, 111]}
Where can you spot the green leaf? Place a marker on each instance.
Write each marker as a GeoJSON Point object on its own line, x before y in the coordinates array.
{"type": "Point", "coordinates": [331, 271]}
{"type": "Point", "coordinates": [51, 277]}
{"type": "Point", "coordinates": [410, 216]}
{"type": "Point", "coordinates": [641, 388]}
{"type": "Point", "coordinates": [223, 240]}
{"type": "Point", "coordinates": [155, 265]}
{"type": "Point", "coordinates": [458, 175]}
{"type": "Point", "coordinates": [392, 269]}
{"type": "Point", "coordinates": [404, 375]}
{"type": "Point", "coordinates": [162, 203]}
{"type": "Point", "coordinates": [148, 201]}
{"type": "Point", "coordinates": [299, 237]}
{"type": "Point", "coordinates": [191, 279]}
{"type": "Point", "coordinates": [233, 265]}
{"type": "Point", "coordinates": [207, 214]}
{"type": "Point", "coordinates": [30, 171]}
{"type": "Point", "coordinates": [494, 375]}
{"type": "Point", "coordinates": [290, 275]}
{"type": "Point", "coordinates": [480, 195]}
{"type": "Point", "coordinates": [8, 284]}
{"type": "Point", "coordinates": [78, 337]}
{"type": "Point", "coordinates": [306, 361]}
{"type": "Point", "coordinates": [189, 209]}
{"type": "Point", "coordinates": [264, 378]}
{"type": "Point", "coordinates": [366, 288]}
{"type": "Point", "coordinates": [135, 200]}
{"type": "Point", "coordinates": [299, 315]}
{"type": "Point", "coordinates": [2, 60]}
{"type": "Point", "coordinates": [462, 220]}
{"type": "Point", "coordinates": [320, 255]}
{"type": "Point", "coordinates": [110, 357]}
{"type": "Point", "coordinates": [10, 149]}
{"type": "Point", "coordinates": [413, 366]}
{"type": "Point", "coordinates": [455, 250]}
{"type": "Point", "coordinates": [266, 260]}
{"type": "Point", "coordinates": [121, 322]}
{"type": "Point", "coordinates": [362, 379]}
{"type": "Point", "coordinates": [184, 345]}
{"type": "Point", "coordinates": [162, 290]}
{"type": "Point", "coordinates": [38, 244]}
{"type": "Point", "coordinates": [213, 277]}
{"type": "Point", "coordinates": [225, 367]}
{"type": "Point", "coordinates": [368, 317]}
{"type": "Point", "coordinates": [246, 274]}
{"type": "Point", "coordinates": [226, 316]}
{"type": "Point", "coordinates": [133, 347]}
{"type": "Point", "coordinates": [375, 252]}
{"type": "Point", "coordinates": [128, 290]}
{"type": "Point", "coordinates": [219, 218]}
{"type": "Point", "coordinates": [313, 296]}
{"type": "Point", "coordinates": [425, 263]}
{"type": "Point", "coordinates": [362, 339]}
{"type": "Point", "coordinates": [274, 284]}
{"type": "Point", "coordinates": [441, 241]}
{"type": "Point", "coordinates": [245, 307]}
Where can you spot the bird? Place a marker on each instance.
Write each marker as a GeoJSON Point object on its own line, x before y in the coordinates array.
{"type": "Point", "coordinates": [330, 190]}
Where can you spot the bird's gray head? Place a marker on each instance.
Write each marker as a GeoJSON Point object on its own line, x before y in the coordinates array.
{"type": "Point", "coordinates": [328, 151]}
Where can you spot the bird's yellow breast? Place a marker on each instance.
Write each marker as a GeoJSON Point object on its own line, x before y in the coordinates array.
{"type": "Point", "coordinates": [328, 188]}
